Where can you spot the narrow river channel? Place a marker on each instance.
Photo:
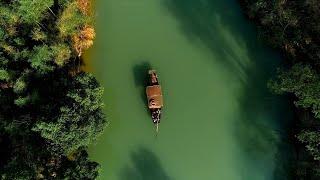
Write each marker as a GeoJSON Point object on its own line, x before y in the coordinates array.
{"type": "Point", "coordinates": [219, 122]}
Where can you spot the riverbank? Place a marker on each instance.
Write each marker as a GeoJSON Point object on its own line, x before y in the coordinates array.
{"type": "Point", "coordinates": [293, 28]}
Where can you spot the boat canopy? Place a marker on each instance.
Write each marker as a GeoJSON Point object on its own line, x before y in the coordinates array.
{"type": "Point", "coordinates": [154, 95]}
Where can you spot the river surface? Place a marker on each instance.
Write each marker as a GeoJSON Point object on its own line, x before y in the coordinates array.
{"type": "Point", "coordinates": [219, 120]}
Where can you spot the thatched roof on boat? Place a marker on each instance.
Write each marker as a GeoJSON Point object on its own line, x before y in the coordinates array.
{"type": "Point", "coordinates": [152, 71]}
{"type": "Point", "coordinates": [154, 95]}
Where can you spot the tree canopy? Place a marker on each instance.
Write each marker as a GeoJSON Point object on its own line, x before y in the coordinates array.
{"type": "Point", "coordinates": [80, 119]}
{"type": "Point", "coordinates": [50, 110]}
{"type": "Point", "coordinates": [32, 11]}
{"type": "Point", "coordinates": [294, 27]}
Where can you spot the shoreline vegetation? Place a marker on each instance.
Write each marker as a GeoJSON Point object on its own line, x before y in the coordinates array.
{"type": "Point", "coordinates": [293, 27]}
{"type": "Point", "coordinates": [50, 110]}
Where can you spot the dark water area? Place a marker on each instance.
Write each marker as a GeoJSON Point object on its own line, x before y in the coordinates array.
{"type": "Point", "coordinates": [145, 166]}
{"type": "Point", "coordinates": [220, 120]}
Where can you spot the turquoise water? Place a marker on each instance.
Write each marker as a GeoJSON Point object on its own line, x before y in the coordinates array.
{"type": "Point", "coordinates": [219, 120]}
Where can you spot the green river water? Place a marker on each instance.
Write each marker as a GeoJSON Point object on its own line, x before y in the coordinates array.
{"type": "Point", "coordinates": [219, 120]}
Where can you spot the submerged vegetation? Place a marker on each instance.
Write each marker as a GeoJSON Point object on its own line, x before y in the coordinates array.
{"type": "Point", "coordinates": [50, 110]}
{"type": "Point", "coordinates": [294, 28]}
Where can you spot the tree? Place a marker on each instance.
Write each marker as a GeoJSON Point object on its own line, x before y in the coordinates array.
{"type": "Point", "coordinates": [4, 75]}
{"type": "Point", "coordinates": [80, 120]}
{"type": "Point", "coordinates": [304, 83]}
{"type": "Point", "coordinates": [81, 168]}
{"type": "Point", "coordinates": [46, 114]}
{"type": "Point", "coordinates": [41, 59]}
{"type": "Point", "coordinates": [32, 11]}
{"type": "Point", "coordinates": [71, 20]}
{"type": "Point", "coordinates": [83, 40]}
{"type": "Point", "coordinates": [22, 101]}
{"type": "Point", "coordinates": [28, 160]}
{"type": "Point", "coordinates": [7, 15]}
{"type": "Point", "coordinates": [61, 53]}
{"type": "Point", "coordinates": [294, 28]}
{"type": "Point", "coordinates": [312, 141]}
{"type": "Point", "coordinates": [19, 86]}
{"type": "Point", "coordinates": [38, 34]}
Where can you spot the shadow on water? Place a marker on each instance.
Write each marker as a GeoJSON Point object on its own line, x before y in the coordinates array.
{"type": "Point", "coordinates": [204, 20]}
{"type": "Point", "coordinates": [140, 74]}
{"type": "Point", "coordinates": [262, 127]}
{"type": "Point", "coordinates": [145, 165]}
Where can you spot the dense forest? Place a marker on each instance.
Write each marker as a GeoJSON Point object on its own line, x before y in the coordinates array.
{"type": "Point", "coordinates": [50, 110]}
{"type": "Point", "coordinates": [294, 27]}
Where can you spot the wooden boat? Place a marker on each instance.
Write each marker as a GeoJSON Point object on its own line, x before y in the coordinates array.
{"type": "Point", "coordinates": [154, 96]}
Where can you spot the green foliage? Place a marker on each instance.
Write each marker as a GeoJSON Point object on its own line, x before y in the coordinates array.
{"type": "Point", "coordinates": [80, 120]}
{"type": "Point", "coordinates": [312, 141]}
{"type": "Point", "coordinates": [14, 175]}
{"type": "Point", "coordinates": [2, 33]}
{"type": "Point", "coordinates": [22, 101]}
{"type": "Point", "coordinates": [304, 83]}
{"type": "Point", "coordinates": [38, 34]}
{"type": "Point", "coordinates": [45, 113]}
{"type": "Point", "coordinates": [61, 53]}
{"type": "Point", "coordinates": [32, 11]}
{"type": "Point", "coordinates": [41, 59]}
{"type": "Point", "coordinates": [19, 86]}
{"type": "Point", "coordinates": [64, 3]}
{"type": "Point", "coordinates": [36, 163]}
{"type": "Point", "coordinates": [4, 75]}
{"type": "Point", "coordinates": [7, 16]}
{"type": "Point", "coordinates": [71, 20]}
{"type": "Point", "coordinates": [294, 28]}
{"type": "Point", "coordinates": [82, 168]}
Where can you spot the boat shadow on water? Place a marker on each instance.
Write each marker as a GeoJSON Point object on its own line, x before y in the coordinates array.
{"type": "Point", "coordinates": [145, 165]}
{"type": "Point", "coordinates": [140, 74]}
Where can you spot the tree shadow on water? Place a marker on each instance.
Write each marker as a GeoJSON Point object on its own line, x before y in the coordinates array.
{"type": "Point", "coordinates": [205, 21]}
{"type": "Point", "coordinates": [262, 125]}
{"type": "Point", "coordinates": [145, 165]}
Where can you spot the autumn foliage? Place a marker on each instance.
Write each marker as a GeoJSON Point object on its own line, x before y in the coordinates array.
{"type": "Point", "coordinates": [84, 39]}
{"type": "Point", "coordinates": [84, 6]}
